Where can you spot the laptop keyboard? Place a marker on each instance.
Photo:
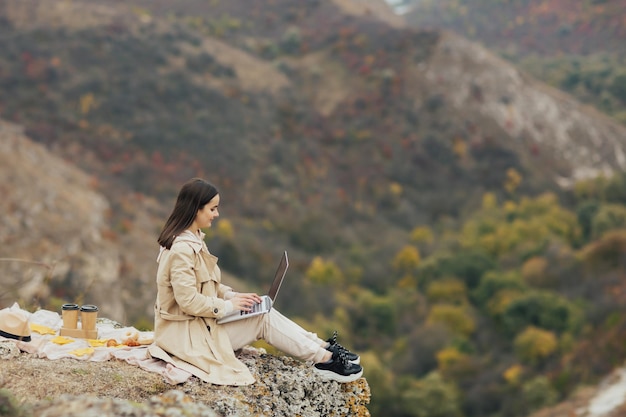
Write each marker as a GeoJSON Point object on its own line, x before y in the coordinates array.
{"type": "Point", "coordinates": [256, 307]}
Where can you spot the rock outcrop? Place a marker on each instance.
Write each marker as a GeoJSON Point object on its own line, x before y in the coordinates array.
{"type": "Point", "coordinates": [541, 123]}
{"type": "Point", "coordinates": [68, 387]}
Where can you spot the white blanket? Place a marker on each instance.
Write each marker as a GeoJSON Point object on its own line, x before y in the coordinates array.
{"type": "Point", "coordinates": [42, 345]}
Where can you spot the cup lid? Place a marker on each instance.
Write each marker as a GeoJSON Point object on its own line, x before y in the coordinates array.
{"type": "Point", "coordinates": [89, 308]}
{"type": "Point", "coordinates": [69, 306]}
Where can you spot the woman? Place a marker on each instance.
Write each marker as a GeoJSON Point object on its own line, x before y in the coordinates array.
{"type": "Point", "coordinates": [191, 297]}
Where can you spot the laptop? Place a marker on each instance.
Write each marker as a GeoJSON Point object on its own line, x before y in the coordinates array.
{"type": "Point", "coordinates": [266, 300]}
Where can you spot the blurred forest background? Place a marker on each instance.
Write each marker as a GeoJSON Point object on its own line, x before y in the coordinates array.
{"type": "Point", "coordinates": [576, 46]}
{"type": "Point", "coordinates": [444, 252]}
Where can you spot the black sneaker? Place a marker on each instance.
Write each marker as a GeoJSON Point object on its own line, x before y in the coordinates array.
{"type": "Point", "coordinates": [333, 346]}
{"type": "Point", "coordinates": [339, 369]}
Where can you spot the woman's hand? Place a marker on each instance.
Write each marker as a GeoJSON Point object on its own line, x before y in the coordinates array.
{"type": "Point", "coordinates": [244, 301]}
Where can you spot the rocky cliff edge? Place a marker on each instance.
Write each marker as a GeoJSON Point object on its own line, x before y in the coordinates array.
{"type": "Point", "coordinates": [30, 386]}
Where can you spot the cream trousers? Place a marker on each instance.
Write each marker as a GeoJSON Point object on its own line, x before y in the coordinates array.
{"type": "Point", "coordinates": [278, 331]}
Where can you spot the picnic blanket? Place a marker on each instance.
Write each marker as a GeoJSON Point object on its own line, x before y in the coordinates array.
{"type": "Point", "coordinates": [113, 342]}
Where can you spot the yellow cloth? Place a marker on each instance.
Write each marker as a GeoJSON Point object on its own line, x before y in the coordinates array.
{"type": "Point", "coordinates": [62, 340]}
{"type": "Point", "coordinates": [96, 342]}
{"type": "Point", "coordinates": [41, 329]}
{"type": "Point", "coordinates": [83, 351]}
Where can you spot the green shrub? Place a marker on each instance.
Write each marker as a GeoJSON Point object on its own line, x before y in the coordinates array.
{"type": "Point", "coordinates": [534, 344]}
{"type": "Point", "coordinates": [456, 318]}
{"type": "Point", "coordinates": [467, 265]}
{"type": "Point", "coordinates": [618, 87]}
{"type": "Point", "coordinates": [373, 315]}
{"type": "Point", "coordinates": [449, 290]}
{"type": "Point", "coordinates": [608, 217]}
{"type": "Point", "coordinates": [585, 212]}
{"type": "Point", "coordinates": [431, 397]}
{"type": "Point", "coordinates": [541, 309]}
{"type": "Point", "coordinates": [539, 393]}
{"type": "Point", "coordinates": [494, 282]}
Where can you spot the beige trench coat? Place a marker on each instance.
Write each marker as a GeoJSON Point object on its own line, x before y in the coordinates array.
{"type": "Point", "coordinates": [190, 297]}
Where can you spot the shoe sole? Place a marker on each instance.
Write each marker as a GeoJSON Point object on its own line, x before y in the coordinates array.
{"type": "Point", "coordinates": [333, 376]}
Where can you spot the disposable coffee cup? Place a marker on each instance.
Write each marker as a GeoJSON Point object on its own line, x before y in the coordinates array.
{"type": "Point", "coordinates": [69, 313]}
{"type": "Point", "coordinates": [88, 316]}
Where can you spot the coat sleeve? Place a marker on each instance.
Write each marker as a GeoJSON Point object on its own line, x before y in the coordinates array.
{"type": "Point", "coordinates": [222, 289]}
{"type": "Point", "coordinates": [183, 281]}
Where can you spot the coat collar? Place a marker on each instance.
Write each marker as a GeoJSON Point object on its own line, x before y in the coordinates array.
{"type": "Point", "coordinates": [196, 241]}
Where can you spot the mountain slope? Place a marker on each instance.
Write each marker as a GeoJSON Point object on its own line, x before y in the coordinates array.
{"type": "Point", "coordinates": [543, 27]}
{"type": "Point", "coordinates": [53, 229]}
{"type": "Point", "coordinates": [575, 46]}
{"type": "Point", "coordinates": [351, 134]}
{"type": "Point", "coordinates": [295, 111]}
{"type": "Point", "coordinates": [537, 119]}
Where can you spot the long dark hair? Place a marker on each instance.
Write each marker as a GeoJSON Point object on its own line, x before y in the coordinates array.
{"type": "Point", "coordinates": [194, 194]}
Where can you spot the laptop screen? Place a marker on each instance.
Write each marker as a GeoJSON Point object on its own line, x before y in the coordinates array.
{"type": "Point", "coordinates": [279, 276]}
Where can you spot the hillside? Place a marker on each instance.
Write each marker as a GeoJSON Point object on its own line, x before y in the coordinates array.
{"type": "Point", "coordinates": [343, 119]}
{"type": "Point", "coordinates": [543, 27]}
{"type": "Point", "coordinates": [339, 120]}
{"type": "Point", "coordinates": [442, 208]}
{"type": "Point", "coordinates": [62, 240]}
{"type": "Point", "coordinates": [575, 46]}
{"type": "Point", "coordinates": [59, 238]}
{"type": "Point", "coordinates": [53, 225]}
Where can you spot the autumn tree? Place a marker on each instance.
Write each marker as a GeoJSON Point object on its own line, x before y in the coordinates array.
{"type": "Point", "coordinates": [534, 344]}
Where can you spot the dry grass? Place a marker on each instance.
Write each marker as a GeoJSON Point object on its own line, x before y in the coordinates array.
{"type": "Point", "coordinates": [32, 379]}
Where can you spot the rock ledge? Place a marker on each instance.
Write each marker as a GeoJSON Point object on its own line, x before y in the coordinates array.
{"type": "Point", "coordinates": [69, 387]}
